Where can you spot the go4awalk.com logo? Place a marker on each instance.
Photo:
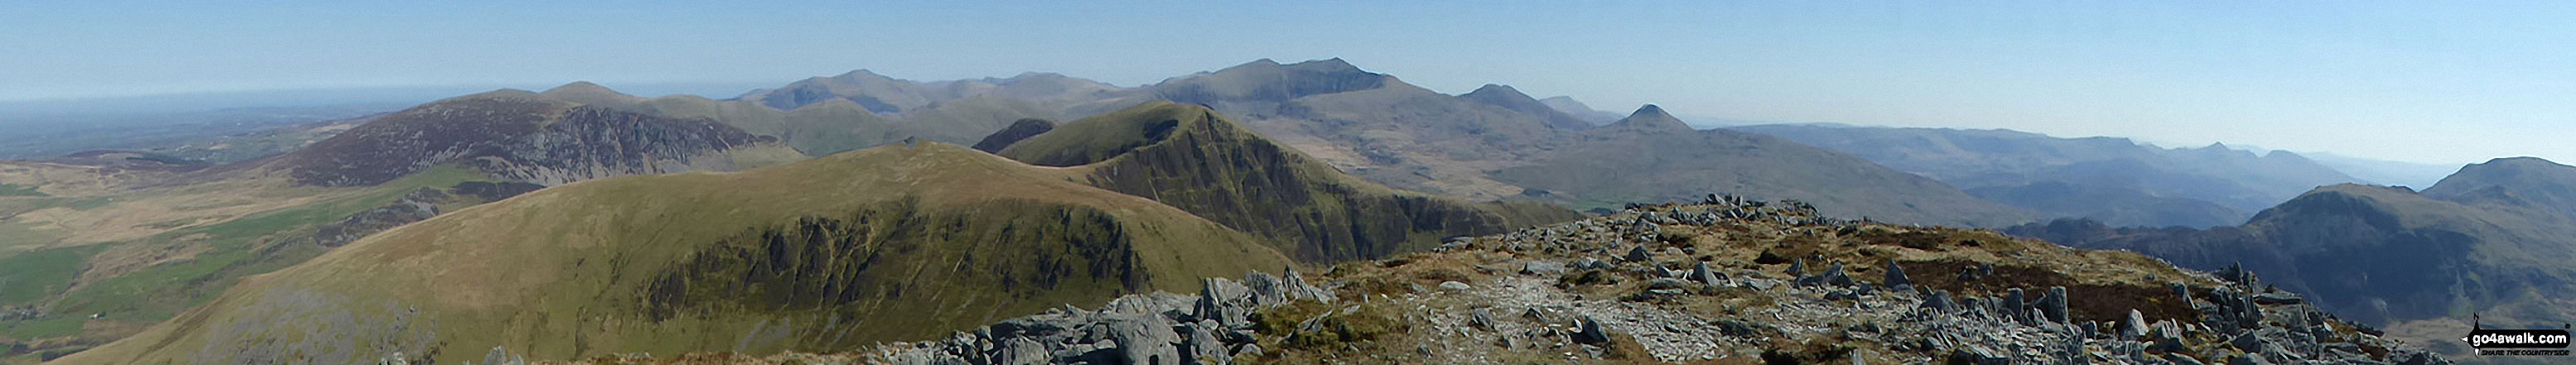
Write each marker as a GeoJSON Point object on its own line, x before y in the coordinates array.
{"type": "Point", "coordinates": [2517, 342]}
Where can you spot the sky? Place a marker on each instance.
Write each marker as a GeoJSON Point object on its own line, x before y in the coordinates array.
{"type": "Point", "coordinates": [2437, 82]}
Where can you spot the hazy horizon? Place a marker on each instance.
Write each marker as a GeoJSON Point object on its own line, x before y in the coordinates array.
{"type": "Point", "coordinates": [2445, 83]}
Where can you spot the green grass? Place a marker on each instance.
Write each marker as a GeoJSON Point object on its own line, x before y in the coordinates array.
{"type": "Point", "coordinates": [29, 277]}
{"type": "Point", "coordinates": [7, 189]}
{"type": "Point", "coordinates": [240, 247]}
{"type": "Point", "coordinates": [88, 203]}
{"type": "Point", "coordinates": [23, 234]}
{"type": "Point", "coordinates": [44, 328]}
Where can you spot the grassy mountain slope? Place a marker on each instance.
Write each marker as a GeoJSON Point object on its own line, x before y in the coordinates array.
{"type": "Point", "coordinates": [1190, 157]}
{"type": "Point", "coordinates": [1651, 156]}
{"type": "Point", "coordinates": [887, 243]}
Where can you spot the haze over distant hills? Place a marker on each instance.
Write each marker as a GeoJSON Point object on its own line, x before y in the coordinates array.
{"type": "Point", "coordinates": [2115, 180]}
{"type": "Point", "coordinates": [2494, 238]}
{"type": "Point", "coordinates": [2412, 174]}
{"type": "Point", "coordinates": [1378, 127]}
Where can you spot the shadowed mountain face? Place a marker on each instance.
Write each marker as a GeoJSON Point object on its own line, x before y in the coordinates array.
{"type": "Point", "coordinates": [1019, 130]}
{"type": "Point", "coordinates": [517, 136]}
{"type": "Point", "coordinates": [1194, 159]}
{"type": "Point", "coordinates": [2132, 184]}
{"type": "Point", "coordinates": [2389, 255]}
{"type": "Point", "coordinates": [890, 243]}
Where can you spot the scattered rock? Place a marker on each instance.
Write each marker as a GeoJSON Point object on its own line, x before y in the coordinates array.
{"type": "Point", "coordinates": [1589, 332]}
{"type": "Point", "coordinates": [1700, 273]}
{"type": "Point", "coordinates": [1454, 286]}
{"type": "Point", "coordinates": [1834, 276]}
{"type": "Point", "coordinates": [1895, 275]}
{"type": "Point", "coordinates": [1542, 268]}
{"type": "Point", "coordinates": [2133, 328]}
{"type": "Point", "coordinates": [2053, 305]}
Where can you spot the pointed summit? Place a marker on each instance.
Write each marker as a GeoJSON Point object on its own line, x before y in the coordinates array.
{"type": "Point", "coordinates": [1651, 117]}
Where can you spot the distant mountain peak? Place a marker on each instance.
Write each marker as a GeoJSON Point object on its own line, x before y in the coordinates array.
{"type": "Point", "coordinates": [1500, 94]}
{"type": "Point", "coordinates": [2537, 182]}
{"type": "Point", "coordinates": [1508, 98]}
{"type": "Point", "coordinates": [1499, 88]}
{"type": "Point", "coordinates": [861, 74]}
{"type": "Point", "coordinates": [1266, 80]}
{"type": "Point", "coordinates": [2522, 161]}
{"type": "Point", "coordinates": [1567, 105]}
{"type": "Point", "coordinates": [583, 92]}
{"type": "Point", "coordinates": [1652, 117]}
{"type": "Point", "coordinates": [494, 94]}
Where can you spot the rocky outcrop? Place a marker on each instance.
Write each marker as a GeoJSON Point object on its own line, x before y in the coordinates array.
{"type": "Point", "coordinates": [1212, 327]}
{"type": "Point", "coordinates": [414, 207]}
{"type": "Point", "coordinates": [419, 205]}
{"type": "Point", "coordinates": [590, 143]}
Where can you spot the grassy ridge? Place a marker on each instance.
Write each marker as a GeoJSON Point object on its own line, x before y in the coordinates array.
{"type": "Point", "coordinates": [574, 270]}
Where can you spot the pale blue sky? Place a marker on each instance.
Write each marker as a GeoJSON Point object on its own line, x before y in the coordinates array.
{"type": "Point", "coordinates": [2449, 82]}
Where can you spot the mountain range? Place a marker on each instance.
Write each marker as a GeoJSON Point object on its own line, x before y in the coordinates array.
{"type": "Point", "coordinates": [2114, 180]}
{"type": "Point", "coordinates": [839, 211]}
{"type": "Point", "coordinates": [2492, 239]}
{"type": "Point", "coordinates": [1477, 146]}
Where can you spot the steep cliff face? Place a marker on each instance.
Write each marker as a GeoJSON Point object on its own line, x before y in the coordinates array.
{"type": "Point", "coordinates": [518, 136]}
{"type": "Point", "coordinates": [1191, 158]}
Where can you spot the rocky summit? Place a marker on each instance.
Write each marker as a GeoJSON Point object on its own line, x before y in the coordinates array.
{"type": "Point", "coordinates": [1714, 287]}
